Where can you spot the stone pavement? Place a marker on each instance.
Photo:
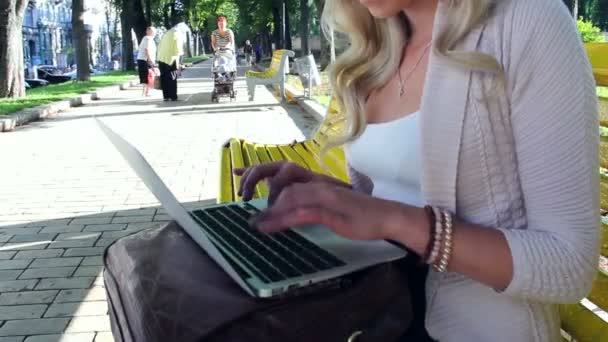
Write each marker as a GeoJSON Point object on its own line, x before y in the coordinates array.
{"type": "Point", "coordinates": [66, 194]}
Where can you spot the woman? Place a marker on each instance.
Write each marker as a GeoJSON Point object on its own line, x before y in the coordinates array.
{"type": "Point", "coordinates": [146, 57]}
{"type": "Point", "coordinates": [222, 39]}
{"type": "Point", "coordinates": [486, 111]}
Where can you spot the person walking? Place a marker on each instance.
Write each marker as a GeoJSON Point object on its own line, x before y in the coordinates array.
{"type": "Point", "coordinates": [248, 50]}
{"type": "Point", "coordinates": [169, 51]}
{"type": "Point", "coordinates": [146, 58]}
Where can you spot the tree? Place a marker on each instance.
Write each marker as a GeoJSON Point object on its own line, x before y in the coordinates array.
{"type": "Point", "coordinates": [12, 82]}
{"type": "Point", "coordinates": [112, 20]}
{"type": "Point", "coordinates": [305, 26]}
{"type": "Point", "coordinates": [81, 44]}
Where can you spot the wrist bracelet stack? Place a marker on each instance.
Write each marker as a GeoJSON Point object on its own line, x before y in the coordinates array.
{"type": "Point", "coordinates": [439, 248]}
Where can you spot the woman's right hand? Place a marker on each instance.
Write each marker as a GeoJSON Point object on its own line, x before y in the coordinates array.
{"type": "Point", "coordinates": [279, 175]}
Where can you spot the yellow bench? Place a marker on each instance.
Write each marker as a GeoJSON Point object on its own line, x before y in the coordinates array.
{"type": "Point", "coordinates": [275, 74]}
{"type": "Point", "coordinates": [598, 55]}
{"type": "Point", "coordinates": [238, 153]}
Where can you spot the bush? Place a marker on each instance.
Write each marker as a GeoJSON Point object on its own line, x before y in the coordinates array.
{"type": "Point", "coordinates": [589, 32]}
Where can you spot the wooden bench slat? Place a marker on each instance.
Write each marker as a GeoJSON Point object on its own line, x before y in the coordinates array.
{"type": "Point", "coordinates": [309, 159]}
{"type": "Point", "coordinates": [261, 190]}
{"type": "Point", "coordinates": [274, 153]}
{"type": "Point", "coordinates": [599, 291]}
{"type": "Point", "coordinates": [584, 321]}
{"type": "Point", "coordinates": [292, 156]}
{"type": "Point", "coordinates": [262, 153]}
{"type": "Point", "coordinates": [236, 155]}
{"type": "Point", "coordinates": [225, 193]}
{"type": "Point", "coordinates": [337, 168]}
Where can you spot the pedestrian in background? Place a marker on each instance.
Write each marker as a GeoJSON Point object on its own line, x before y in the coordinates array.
{"type": "Point", "coordinates": [248, 50]}
{"type": "Point", "coordinates": [146, 57]}
{"type": "Point", "coordinates": [169, 51]}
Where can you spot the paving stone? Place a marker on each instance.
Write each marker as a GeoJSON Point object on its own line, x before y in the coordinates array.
{"type": "Point", "coordinates": [14, 264]}
{"type": "Point", "coordinates": [17, 285]}
{"type": "Point", "coordinates": [51, 272]}
{"type": "Point", "coordinates": [24, 246]}
{"type": "Point", "coordinates": [136, 212]}
{"type": "Point", "coordinates": [33, 237]}
{"type": "Point", "coordinates": [13, 339]}
{"type": "Point", "coordinates": [10, 274]}
{"type": "Point", "coordinates": [84, 251]}
{"type": "Point", "coordinates": [117, 234]}
{"type": "Point", "coordinates": [92, 220]}
{"type": "Point", "coordinates": [34, 326]}
{"type": "Point", "coordinates": [89, 323]}
{"type": "Point", "coordinates": [7, 255]}
{"type": "Point", "coordinates": [77, 236]}
{"type": "Point", "coordinates": [5, 237]}
{"type": "Point", "coordinates": [22, 311]}
{"type": "Point", "coordinates": [104, 227]}
{"type": "Point", "coordinates": [88, 271]}
{"type": "Point", "coordinates": [74, 228]}
{"type": "Point", "coordinates": [92, 261]}
{"type": "Point", "coordinates": [77, 309]}
{"type": "Point", "coordinates": [162, 218]}
{"type": "Point", "coordinates": [53, 223]}
{"type": "Point", "coordinates": [28, 297]}
{"type": "Point", "coordinates": [65, 283]}
{"type": "Point", "coordinates": [99, 281]}
{"type": "Point", "coordinates": [56, 262]}
{"type": "Point", "coordinates": [36, 254]}
{"type": "Point", "coordinates": [139, 226]}
{"type": "Point", "coordinates": [73, 243]}
{"type": "Point", "coordinates": [132, 219]}
{"type": "Point", "coordinates": [103, 337]}
{"type": "Point", "coordinates": [76, 337]}
{"type": "Point", "coordinates": [105, 242]}
{"type": "Point", "coordinates": [81, 295]}
{"type": "Point", "coordinates": [20, 231]}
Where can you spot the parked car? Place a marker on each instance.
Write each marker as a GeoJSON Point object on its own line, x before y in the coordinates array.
{"type": "Point", "coordinates": [73, 74]}
{"type": "Point", "coordinates": [52, 74]}
{"type": "Point", "coordinates": [35, 83]}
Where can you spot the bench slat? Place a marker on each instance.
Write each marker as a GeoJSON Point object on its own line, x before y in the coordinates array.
{"type": "Point", "coordinates": [292, 156]}
{"type": "Point", "coordinates": [337, 167]}
{"type": "Point", "coordinates": [225, 193]}
{"type": "Point", "coordinates": [236, 155]}
{"type": "Point", "coordinates": [310, 159]}
{"type": "Point", "coordinates": [262, 153]}
{"type": "Point", "coordinates": [261, 190]}
{"type": "Point", "coordinates": [583, 322]}
{"type": "Point", "coordinates": [274, 153]}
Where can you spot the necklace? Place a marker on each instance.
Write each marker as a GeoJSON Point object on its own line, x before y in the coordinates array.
{"type": "Point", "coordinates": [409, 74]}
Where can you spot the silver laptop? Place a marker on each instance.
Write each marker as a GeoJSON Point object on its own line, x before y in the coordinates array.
{"type": "Point", "coordinates": [264, 265]}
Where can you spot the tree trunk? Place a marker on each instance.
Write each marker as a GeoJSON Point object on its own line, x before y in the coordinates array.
{"type": "Point", "coordinates": [81, 43]}
{"type": "Point", "coordinates": [149, 12]}
{"type": "Point", "coordinates": [276, 34]}
{"type": "Point", "coordinates": [138, 19]}
{"type": "Point", "coordinates": [325, 57]}
{"type": "Point", "coordinates": [287, 32]}
{"type": "Point", "coordinates": [305, 27]}
{"type": "Point", "coordinates": [127, 42]}
{"type": "Point", "coordinates": [12, 82]}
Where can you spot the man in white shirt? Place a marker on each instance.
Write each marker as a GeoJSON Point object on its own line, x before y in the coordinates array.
{"type": "Point", "coordinates": [146, 57]}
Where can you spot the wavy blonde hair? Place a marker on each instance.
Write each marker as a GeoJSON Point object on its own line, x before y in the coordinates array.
{"type": "Point", "coordinates": [375, 51]}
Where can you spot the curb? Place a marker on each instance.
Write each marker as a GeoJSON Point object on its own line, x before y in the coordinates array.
{"type": "Point", "coordinates": [22, 117]}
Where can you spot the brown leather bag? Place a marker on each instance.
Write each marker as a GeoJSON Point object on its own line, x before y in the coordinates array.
{"type": "Point", "coordinates": [161, 286]}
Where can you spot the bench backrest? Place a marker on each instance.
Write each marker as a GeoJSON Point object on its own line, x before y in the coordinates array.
{"type": "Point", "coordinates": [598, 54]}
{"type": "Point", "coordinates": [279, 61]}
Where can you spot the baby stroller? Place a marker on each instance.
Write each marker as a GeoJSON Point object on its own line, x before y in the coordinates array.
{"type": "Point", "coordinates": [224, 75]}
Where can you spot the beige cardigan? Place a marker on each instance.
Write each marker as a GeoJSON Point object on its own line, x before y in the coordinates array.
{"type": "Point", "coordinates": [526, 164]}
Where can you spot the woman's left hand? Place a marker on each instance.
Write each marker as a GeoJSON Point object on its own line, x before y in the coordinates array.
{"type": "Point", "coordinates": [351, 214]}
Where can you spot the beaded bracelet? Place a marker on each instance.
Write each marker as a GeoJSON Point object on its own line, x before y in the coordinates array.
{"type": "Point", "coordinates": [437, 239]}
{"type": "Point", "coordinates": [442, 263]}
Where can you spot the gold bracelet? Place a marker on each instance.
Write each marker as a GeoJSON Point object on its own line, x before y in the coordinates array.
{"type": "Point", "coordinates": [446, 250]}
{"type": "Point", "coordinates": [437, 241]}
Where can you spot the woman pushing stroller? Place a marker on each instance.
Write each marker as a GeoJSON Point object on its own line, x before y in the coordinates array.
{"type": "Point", "coordinates": [222, 39]}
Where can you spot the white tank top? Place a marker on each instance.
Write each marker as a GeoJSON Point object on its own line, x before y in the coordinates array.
{"type": "Point", "coordinates": [389, 154]}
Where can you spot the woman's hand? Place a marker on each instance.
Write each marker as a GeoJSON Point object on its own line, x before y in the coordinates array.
{"type": "Point", "coordinates": [279, 176]}
{"type": "Point", "coordinates": [351, 214]}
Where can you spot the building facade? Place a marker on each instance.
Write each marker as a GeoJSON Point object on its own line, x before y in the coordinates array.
{"type": "Point", "coordinates": [47, 33]}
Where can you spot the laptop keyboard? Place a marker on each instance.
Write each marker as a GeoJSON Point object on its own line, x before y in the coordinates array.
{"type": "Point", "coordinates": [272, 257]}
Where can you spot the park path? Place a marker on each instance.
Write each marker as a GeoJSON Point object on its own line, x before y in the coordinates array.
{"type": "Point", "coordinates": [65, 193]}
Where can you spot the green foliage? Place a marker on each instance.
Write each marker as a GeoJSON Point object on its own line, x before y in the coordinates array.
{"type": "Point", "coordinates": [195, 59]}
{"type": "Point", "coordinates": [589, 32]}
{"type": "Point", "coordinates": [57, 92]}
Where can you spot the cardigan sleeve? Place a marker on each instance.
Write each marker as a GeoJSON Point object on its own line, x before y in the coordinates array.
{"type": "Point", "coordinates": [555, 127]}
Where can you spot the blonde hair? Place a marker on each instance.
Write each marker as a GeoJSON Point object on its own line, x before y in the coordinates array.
{"type": "Point", "coordinates": [375, 52]}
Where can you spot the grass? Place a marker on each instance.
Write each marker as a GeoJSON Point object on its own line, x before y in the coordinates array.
{"type": "Point", "coordinates": [602, 92]}
{"type": "Point", "coordinates": [57, 92]}
{"type": "Point", "coordinates": [195, 59]}
{"type": "Point", "coordinates": [320, 93]}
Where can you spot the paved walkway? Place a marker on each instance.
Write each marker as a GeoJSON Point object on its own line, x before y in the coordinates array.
{"type": "Point", "coordinates": [65, 194]}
